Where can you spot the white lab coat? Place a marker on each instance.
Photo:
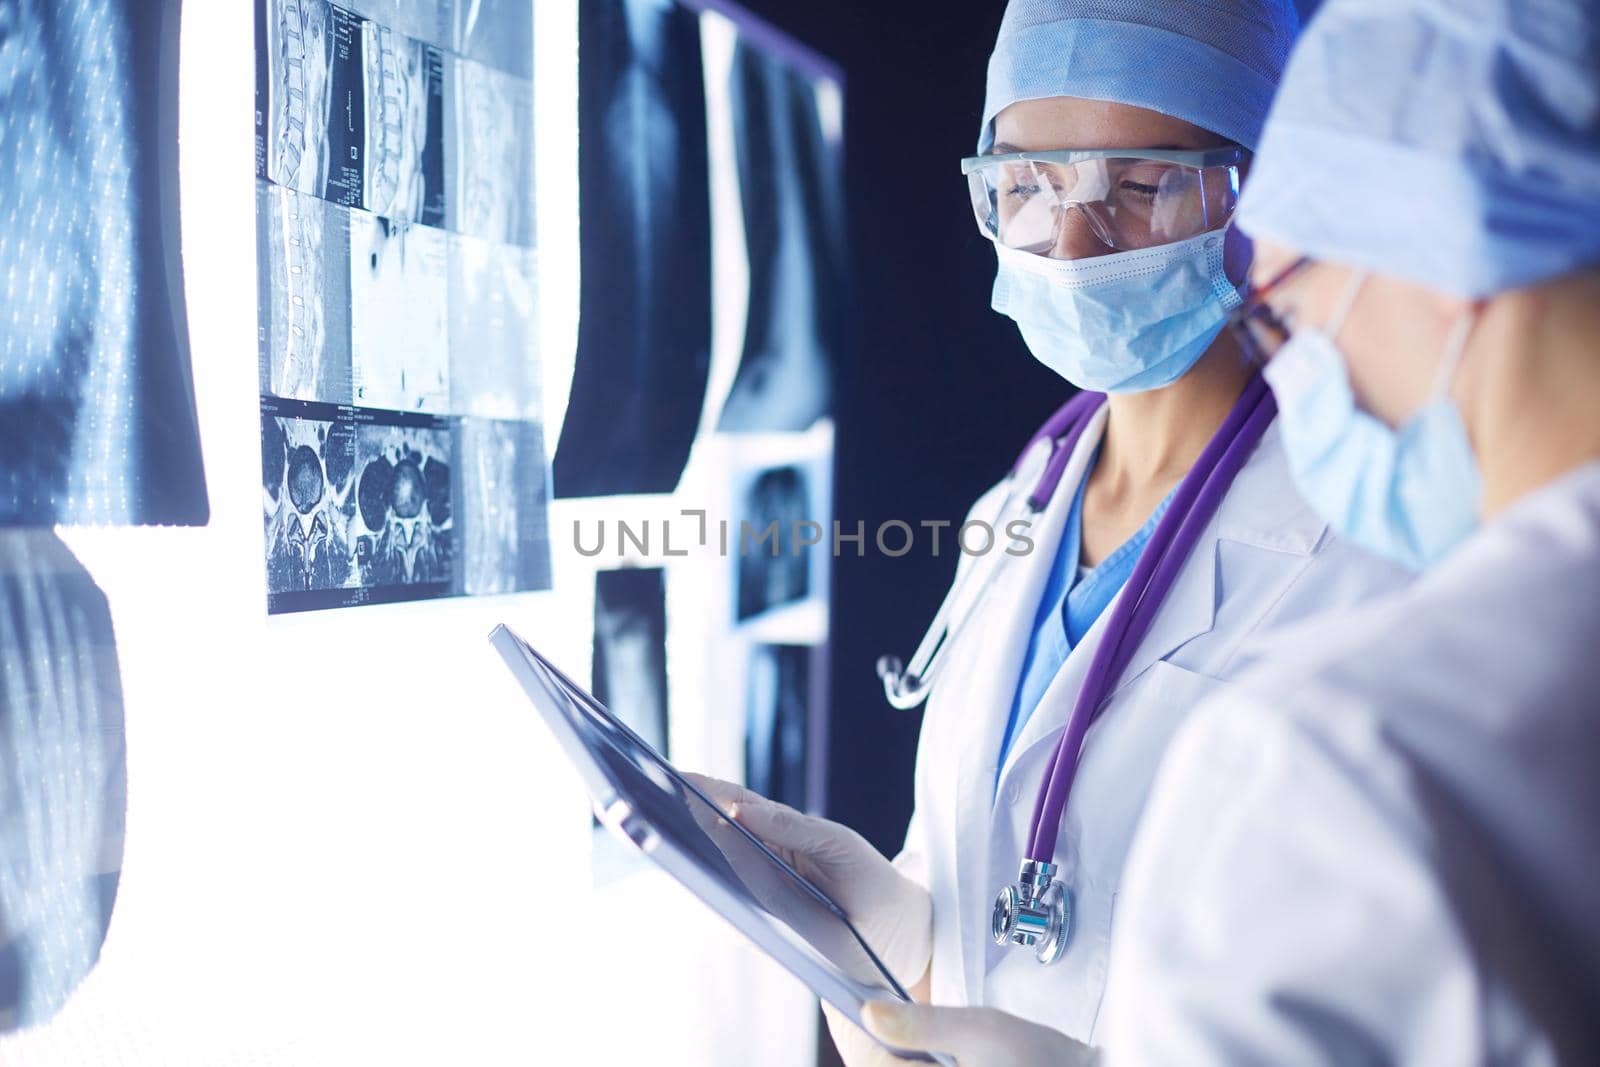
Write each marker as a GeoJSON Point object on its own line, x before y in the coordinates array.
{"type": "Point", "coordinates": [1264, 560]}
{"type": "Point", "coordinates": [1385, 847]}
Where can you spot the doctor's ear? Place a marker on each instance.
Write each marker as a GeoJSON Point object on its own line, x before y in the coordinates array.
{"type": "Point", "coordinates": [1238, 252]}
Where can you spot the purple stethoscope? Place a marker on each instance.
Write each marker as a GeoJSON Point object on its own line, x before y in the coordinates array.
{"type": "Point", "coordinates": [1036, 910]}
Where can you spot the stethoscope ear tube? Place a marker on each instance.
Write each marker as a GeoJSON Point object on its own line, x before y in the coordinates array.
{"type": "Point", "coordinates": [907, 685]}
{"type": "Point", "coordinates": [1193, 505]}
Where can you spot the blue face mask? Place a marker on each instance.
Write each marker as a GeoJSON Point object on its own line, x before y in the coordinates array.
{"type": "Point", "coordinates": [1122, 323]}
{"type": "Point", "coordinates": [1410, 494]}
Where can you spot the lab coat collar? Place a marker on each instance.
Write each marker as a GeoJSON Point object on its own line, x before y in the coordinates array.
{"type": "Point", "coordinates": [995, 654]}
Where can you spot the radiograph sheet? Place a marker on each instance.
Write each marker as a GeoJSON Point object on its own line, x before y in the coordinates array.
{"type": "Point", "coordinates": [304, 251]}
{"type": "Point", "coordinates": [496, 32]}
{"type": "Point", "coordinates": [789, 182]}
{"type": "Point", "coordinates": [63, 775]}
{"type": "Point", "coordinates": [403, 454]}
{"type": "Point", "coordinates": [404, 83]}
{"type": "Point", "coordinates": [501, 477]}
{"type": "Point", "coordinates": [630, 650]}
{"type": "Point", "coordinates": [494, 349]}
{"type": "Point", "coordinates": [773, 571]}
{"type": "Point", "coordinates": [357, 505]}
{"type": "Point", "coordinates": [645, 318]}
{"type": "Point", "coordinates": [399, 329]}
{"type": "Point", "coordinates": [97, 421]}
{"type": "Point", "coordinates": [777, 721]}
{"type": "Point", "coordinates": [488, 154]}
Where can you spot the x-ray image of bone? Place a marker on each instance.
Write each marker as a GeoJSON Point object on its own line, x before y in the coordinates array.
{"type": "Point", "coordinates": [773, 568]}
{"type": "Point", "coordinates": [63, 775]}
{"type": "Point", "coordinates": [296, 51]}
{"type": "Point", "coordinates": [97, 421]}
{"type": "Point", "coordinates": [494, 330]}
{"type": "Point", "coordinates": [425, 20]}
{"type": "Point", "coordinates": [776, 723]}
{"type": "Point", "coordinates": [630, 650]}
{"type": "Point", "coordinates": [308, 501]}
{"type": "Point", "coordinates": [496, 32]}
{"type": "Point", "coordinates": [309, 60]}
{"type": "Point", "coordinates": [789, 184]}
{"type": "Point", "coordinates": [489, 153]}
{"type": "Point", "coordinates": [403, 534]}
{"type": "Point", "coordinates": [644, 327]}
{"type": "Point", "coordinates": [501, 517]}
{"type": "Point", "coordinates": [304, 272]}
{"type": "Point", "coordinates": [404, 83]}
{"type": "Point", "coordinates": [399, 337]}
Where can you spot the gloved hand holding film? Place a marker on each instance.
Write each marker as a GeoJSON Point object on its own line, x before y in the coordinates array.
{"type": "Point", "coordinates": [892, 913]}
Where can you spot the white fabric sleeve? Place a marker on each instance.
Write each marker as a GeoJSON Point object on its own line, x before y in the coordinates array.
{"type": "Point", "coordinates": [1284, 904]}
{"type": "Point", "coordinates": [912, 860]}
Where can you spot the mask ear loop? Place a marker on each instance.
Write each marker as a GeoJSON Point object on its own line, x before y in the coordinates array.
{"type": "Point", "coordinates": [1347, 301]}
{"type": "Point", "coordinates": [1454, 348]}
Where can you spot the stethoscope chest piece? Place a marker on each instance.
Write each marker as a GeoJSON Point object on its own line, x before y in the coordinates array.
{"type": "Point", "coordinates": [1035, 913]}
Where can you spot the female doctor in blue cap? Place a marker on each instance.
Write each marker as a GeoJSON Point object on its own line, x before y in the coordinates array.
{"type": "Point", "coordinates": [1400, 854]}
{"type": "Point", "coordinates": [1115, 136]}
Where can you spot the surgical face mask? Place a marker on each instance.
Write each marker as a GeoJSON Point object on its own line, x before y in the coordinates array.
{"type": "Point", "coordinates": [1122, 323]}
{"type": "Point", "coordinates": [1410, 494]}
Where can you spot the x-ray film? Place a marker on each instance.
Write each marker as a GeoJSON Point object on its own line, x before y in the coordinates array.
{"type": "Point", "coordinates": [494, 347]}
{"type": "Point", "coordinates": [630, 650]}
{"type": "Point", "coordinates": [777, 721]}
{"type": "Point", "coordinates": [404, 83]}
{"type": "Point", "coordinates": [403, 452]}
{"type": "Point", "coordinates": [399, 325]}
{"type": "Point", "coordinates": [501, 522]}
{"type": "Point", "coordinates": [97, 422]}
{"type": "Point", "coordinates": [425, 20]}
{"type": "Point", "coordinates": [773, 567]}
{"type": "Point", "coordinates": [311, 128]}
{"type": "Point", "coordinates": [303, 244]}
{"type": "Point", "coordinates": [644, 330]}
{"type": "Point", "coordinates": [356, 505]}
{"type": "Point", "coordinates": [496, 32]}
{"type": "Point", "coordinates": [63, 775]}
{"type": "Point", "coordinates": [790, 197]}
{"type": "Point", "coordinates": [488, 154]}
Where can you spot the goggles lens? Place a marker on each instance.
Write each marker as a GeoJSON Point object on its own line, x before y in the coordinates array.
{"type": "Point", "coordinates": [1125, 203]}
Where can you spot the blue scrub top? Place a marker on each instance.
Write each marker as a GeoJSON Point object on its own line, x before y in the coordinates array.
{"type": "Point", "coordinates": [1073, 599]}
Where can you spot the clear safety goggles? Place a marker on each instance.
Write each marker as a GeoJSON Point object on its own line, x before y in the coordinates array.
{"type": "Point", "coordinates": [1128, 198]}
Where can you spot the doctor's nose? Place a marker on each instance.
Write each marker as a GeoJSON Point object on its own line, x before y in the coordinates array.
{"type": "Point", "coordinates": [1076, 237]}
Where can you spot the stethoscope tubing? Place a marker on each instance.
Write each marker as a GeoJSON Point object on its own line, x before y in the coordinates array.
{"type": "Point", "coordinates": [1170, 545]}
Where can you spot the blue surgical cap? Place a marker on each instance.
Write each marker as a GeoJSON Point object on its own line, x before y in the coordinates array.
{"type": "Point", "coordinates": [1456, 145]}
{"type": "Point", "coordinates": [1214, 63]}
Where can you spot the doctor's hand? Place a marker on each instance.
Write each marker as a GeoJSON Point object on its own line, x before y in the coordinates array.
{"type": "Point", "coordinates": [976, 1037]}
{"type": "Point", "coordinates": [892, 913]}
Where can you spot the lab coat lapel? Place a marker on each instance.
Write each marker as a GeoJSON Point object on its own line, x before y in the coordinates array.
{"type": "Point", "coordinates": [1254, 513]}
{"type": "Point", "coordinates": [992, 653]}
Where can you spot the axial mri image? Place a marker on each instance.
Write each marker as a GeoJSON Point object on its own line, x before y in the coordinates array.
{"type": "Point", "coordinates": [97, 420]}
{"type": "Point", "coordinates": [644, 333]}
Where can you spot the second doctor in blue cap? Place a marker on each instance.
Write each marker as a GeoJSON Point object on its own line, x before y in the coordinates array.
{"type": "Point", "coordinates": [1385, 848]}
{"type": "Point", "coordinates": [1115, 135]}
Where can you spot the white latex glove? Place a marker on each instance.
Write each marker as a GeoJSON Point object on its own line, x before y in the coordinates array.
{"type": "Point", "coordinates": [892, 913]}
{"type": "Point", "coordinates": [976, 1037]}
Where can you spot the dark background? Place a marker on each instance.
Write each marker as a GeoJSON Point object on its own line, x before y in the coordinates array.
{"type": "Point", "coordinates": [936, 393]}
